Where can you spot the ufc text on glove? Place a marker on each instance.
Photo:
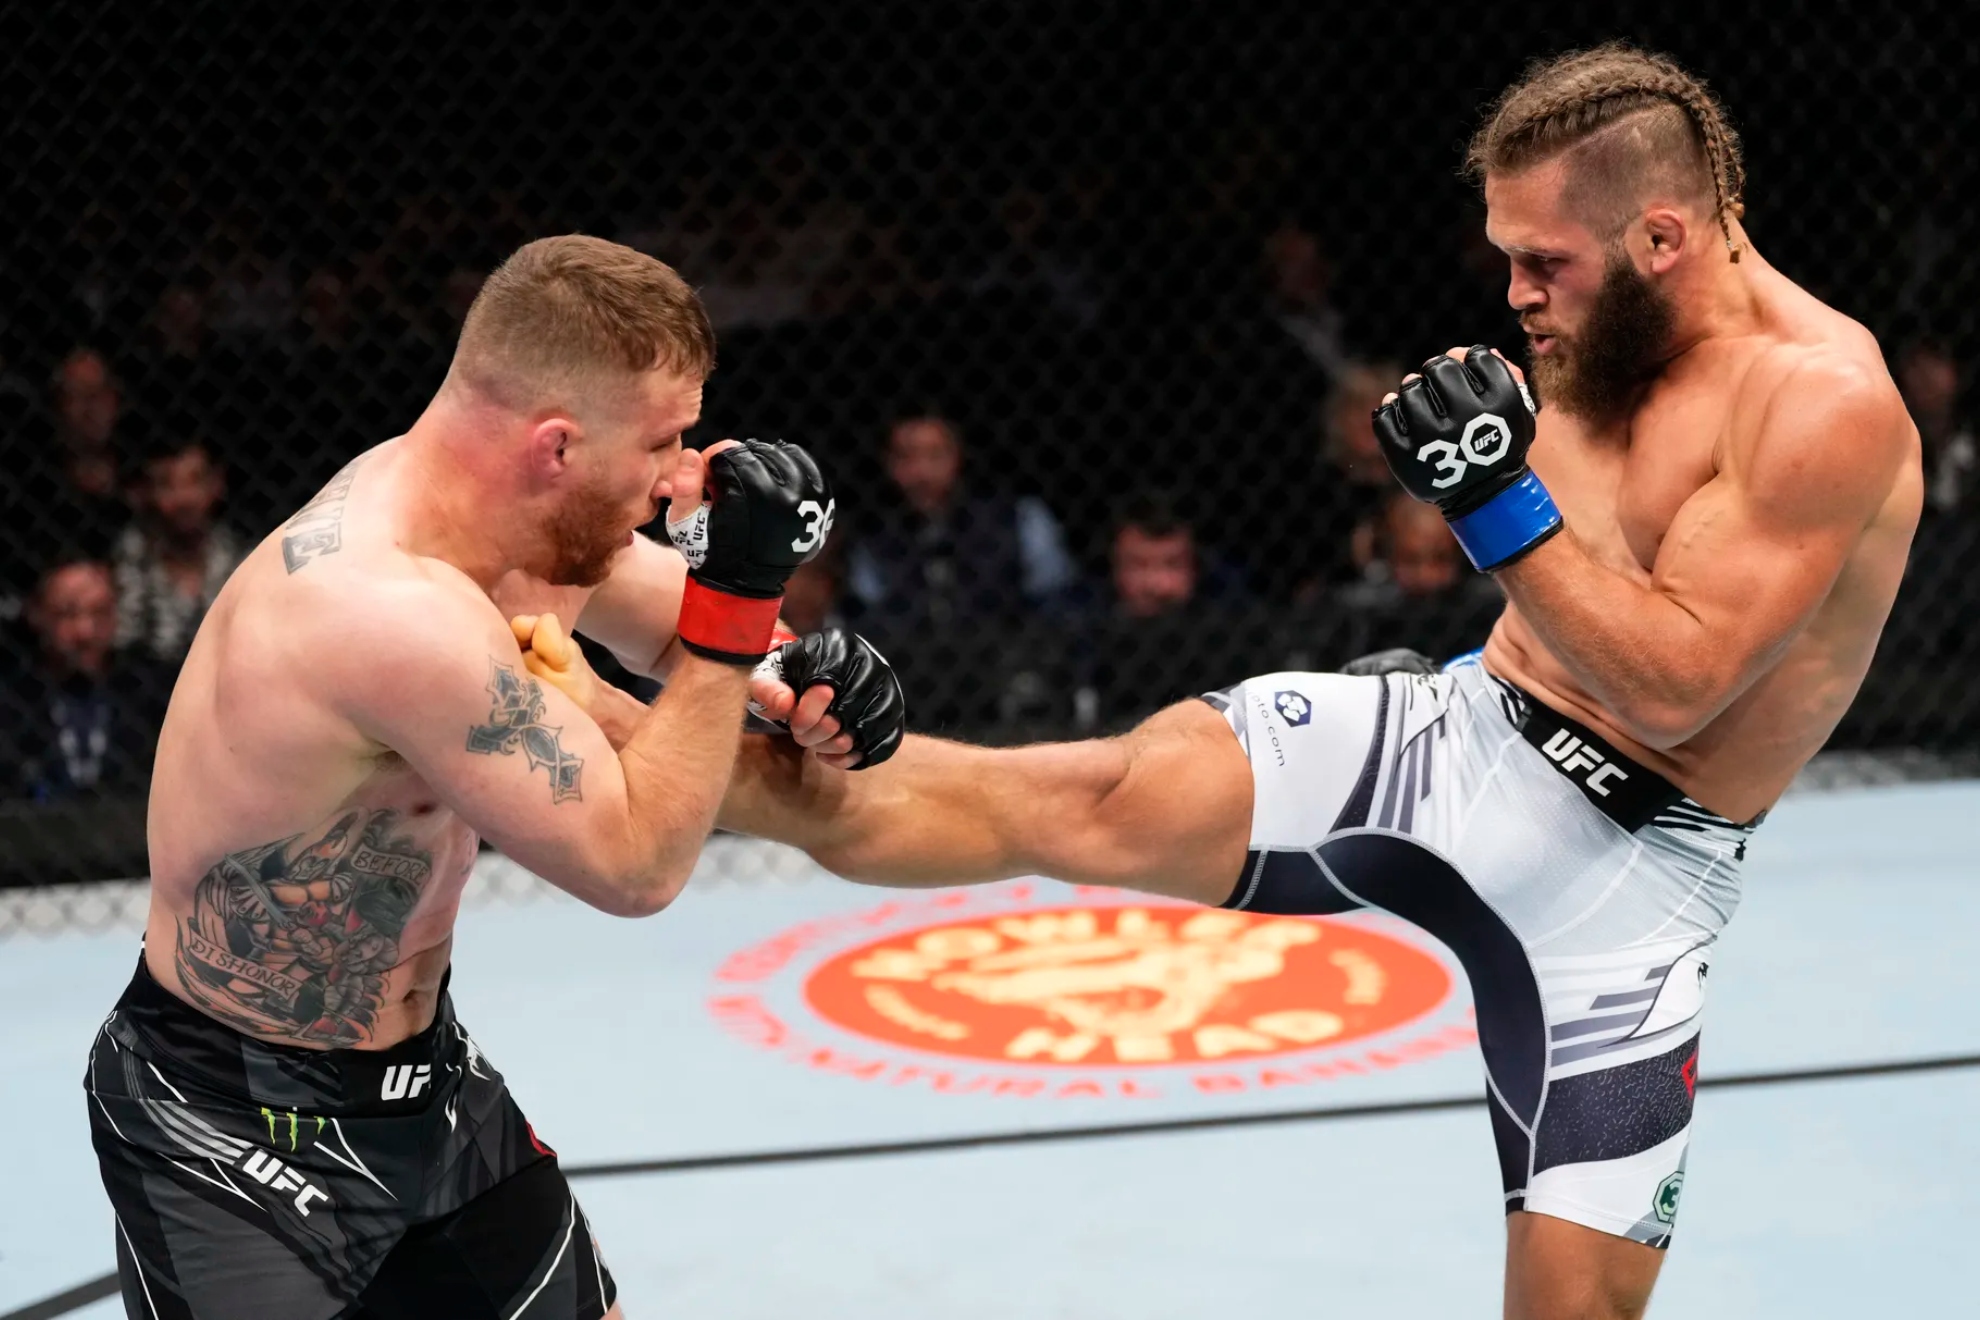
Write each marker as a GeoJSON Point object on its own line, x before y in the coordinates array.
{"type": "Point", "coordinates": [768, 510]}
{"type": "Point", "coordinates": [1456, 437]}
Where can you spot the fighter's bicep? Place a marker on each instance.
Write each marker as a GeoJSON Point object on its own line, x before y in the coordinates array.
{"type": "Point", "coordinates": [634, 613]}
{"type": "Point", "coordinates": [1750, 585]}
{"type": "Point", "coordinates": [1757, 550]}
{"type": "Point", "coordinates": [516, 759]}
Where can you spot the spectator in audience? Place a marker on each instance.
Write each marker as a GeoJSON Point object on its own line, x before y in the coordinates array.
{"type": "Point", "coordinates": [1298, 281]}
{"type": "Point", "coordinates": [1034, 266]}
{"type": "Point", "coordinates": [252, 296]}
{"type": "Point", "coordinates": [878, 270]}
{"type": "Point", "coordinates": [83, 719]}
{"type": "Point", "coordinates": [1357, 480]}
{"type": "Point", "coordinates": [1418, 590]}
{"type": "Point", "coordinates": [1318, 531]}
{"type": "Point", "coordinates": [1413, 560]}
{"type": "Point", "coordinates": [330, 393]}
{"type": "Point", "coordinates": [75, 485]}
{"type": "Point", "coordinates": [1276, 346]}
{"type": "Point", "coordinates": [937, 569]}
{"type": "Point", "coordinates": [176, 335]}
{"type": "Point", "coordinates": [1928, 376]}
{"type": "Point", "coordinates": [757, 253]}
{"type": "Point", "coordinates": [1167, 632]}
{"type": "Point", "coordinates": [1934, 625]}
{"type": "Point", "coordinates": [809, 225]}
{"type": "Point", "coordinates": [1153, 561]}
{"type": "Point", "coordinates": [325, 318]}
{"type": "Point", "coordinates": [174, 557]}
{"type": "Point", "coordinates": [938, 553]}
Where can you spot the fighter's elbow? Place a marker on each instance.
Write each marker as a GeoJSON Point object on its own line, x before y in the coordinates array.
{"type": "Point", "coordinates": [845, 859]}
{"type": "Point", "coordinates": [1674, 714]}
{"type": "Point", "coordinates": [648, 901]}
{"type": "Point", "coordinates": [642, 875]}
{"type": "Point", "coordinates": [642, 894]}
{"type": "Point", "coordinates": [1661, 727]}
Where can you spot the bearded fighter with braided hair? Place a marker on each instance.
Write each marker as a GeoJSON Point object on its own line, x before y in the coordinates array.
{"type": "Point", "coordinates": [1699, 538]}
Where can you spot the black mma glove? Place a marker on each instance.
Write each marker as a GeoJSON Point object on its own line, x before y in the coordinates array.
{"type": "Point", "coordinates": [768, 510]}
{"type": "Point", "coordinates": [1457, 437]}
{"type": "Point", "coordinates": [1399, 660]}
{"type": "Point", "coordinates": [866, 694]}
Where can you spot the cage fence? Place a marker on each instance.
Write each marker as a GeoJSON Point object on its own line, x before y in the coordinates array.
{"type": "Point", "coordinates": [1082, 306]}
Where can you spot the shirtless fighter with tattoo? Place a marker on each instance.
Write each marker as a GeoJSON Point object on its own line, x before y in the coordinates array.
{"type": "Point", "coordinates": [1699, 539]}
{"type": "Point", "coordinates": [290, 1121]}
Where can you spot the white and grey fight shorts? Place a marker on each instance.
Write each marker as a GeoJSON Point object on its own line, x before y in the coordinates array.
{"type": "Point", "coordinates": [1580, 891]}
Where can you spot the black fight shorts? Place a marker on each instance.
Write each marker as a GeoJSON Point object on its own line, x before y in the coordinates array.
{"type": "Point", "coordinates": [254, 1181]}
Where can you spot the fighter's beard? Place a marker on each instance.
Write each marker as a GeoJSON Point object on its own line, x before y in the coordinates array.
{"type": "Point", "coordinates": [1597, 374]}
{"type": "Point", "coordinates": [585, 534]}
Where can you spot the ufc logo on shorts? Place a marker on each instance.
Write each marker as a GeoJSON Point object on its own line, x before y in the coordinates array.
{"type": "Point", "coordinates": [1573, 756]}
{"type": "Point", "coordinates": [271, 1172]}
{"type": "Point", "coordinates": [403, 1081]}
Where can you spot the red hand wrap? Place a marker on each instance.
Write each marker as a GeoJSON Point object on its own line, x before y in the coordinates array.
{"type": "Point", "coordinates": [734, 629]}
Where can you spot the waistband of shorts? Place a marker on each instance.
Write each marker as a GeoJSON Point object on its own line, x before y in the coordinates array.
{"type": "Point", "coordinates": [1628, 793]}
{"type": "Point", "coordinates": [189, 1045]}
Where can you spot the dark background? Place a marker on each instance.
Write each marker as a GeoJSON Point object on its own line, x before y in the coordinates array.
{"type": "Point", "coordinates": [1046, 223]}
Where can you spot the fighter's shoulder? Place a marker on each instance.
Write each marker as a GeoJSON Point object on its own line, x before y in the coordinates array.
{"type": "Point", "coordinates": [1823, 422]}
{"type": "Point", "coordinates": [384, 616]}
{"type": "Point", "coordinates": [1819, 361]}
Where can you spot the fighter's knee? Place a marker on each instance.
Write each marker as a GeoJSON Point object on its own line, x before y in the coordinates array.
{"type": "Point", "coordinates": [1570, 1294]}
{"type": "Point", "coordinates": [1558, 1270]}
{"type": "Point", "coordinates": [1588, 1303]}
{"type": "Point", "coordinates": [1617, 1308]}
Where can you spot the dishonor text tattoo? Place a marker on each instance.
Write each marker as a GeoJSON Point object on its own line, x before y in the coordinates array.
{"type": "Point", "coordinates": [317, 529]}
{"type": "Point", "coordinates": [294, 939]}
{"type": "Point", "coordinates": [517, 721]}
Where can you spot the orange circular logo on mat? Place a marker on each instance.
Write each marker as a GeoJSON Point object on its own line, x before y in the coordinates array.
{"type": "Point", "coordinates": [1131, 985]}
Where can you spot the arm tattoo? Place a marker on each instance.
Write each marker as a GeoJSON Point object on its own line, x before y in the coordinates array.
{"type": "Point", "coordinates": [294, 940]}
{"type": "Point", "coordinates": [317, 529]}
{"type": "Point", "coordinates": [518, 719]}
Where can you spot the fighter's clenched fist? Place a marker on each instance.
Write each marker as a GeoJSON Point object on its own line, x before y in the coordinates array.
{"type": "Point", "coordinates": [762, 509]}
{"type": "Point", "coordinates": [1456, 436]}
{"type": "Point", "coordinates": [862, 694]}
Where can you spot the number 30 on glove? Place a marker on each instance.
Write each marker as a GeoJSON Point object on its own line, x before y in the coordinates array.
{"type": "Point", "coordinates": [1456, 436]}
{"type": "Point", "coordinates": [768, 510]}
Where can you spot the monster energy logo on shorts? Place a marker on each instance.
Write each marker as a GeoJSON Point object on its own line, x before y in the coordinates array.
{"type": "Point", "coordinates": [1665, 1204]}
{"type": "Point", "coordinates": [294, 1124]}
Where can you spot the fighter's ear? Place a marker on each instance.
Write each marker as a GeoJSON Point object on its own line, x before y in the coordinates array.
{"type": "Point", "coordinates": [548, 448]}
{"type": "Point", "coordinates": [1666, 234]}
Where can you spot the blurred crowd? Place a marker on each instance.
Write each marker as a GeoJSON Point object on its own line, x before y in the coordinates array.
{"type": "Point", "coordinates": [1057, 512]}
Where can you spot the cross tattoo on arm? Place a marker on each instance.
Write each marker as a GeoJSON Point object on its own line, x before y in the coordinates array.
{"type": "Point", "coordinates": [516, 720]}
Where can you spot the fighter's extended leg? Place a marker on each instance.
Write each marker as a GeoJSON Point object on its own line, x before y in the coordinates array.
{"type": "Point", "coordinates": [1165, 808]}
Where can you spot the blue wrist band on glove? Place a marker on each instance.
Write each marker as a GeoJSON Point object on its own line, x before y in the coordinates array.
{"type": "Point", "coordinates": [1508, 525]}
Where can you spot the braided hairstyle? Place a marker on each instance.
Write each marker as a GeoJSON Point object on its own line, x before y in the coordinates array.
{"type": "Point", "coordinates": [1562, 102]}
